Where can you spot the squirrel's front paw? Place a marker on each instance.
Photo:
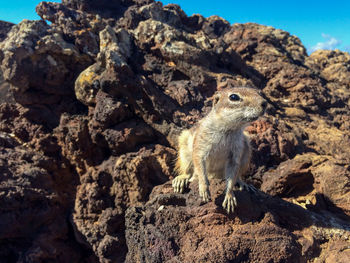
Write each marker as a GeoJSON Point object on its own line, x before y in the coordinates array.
{"type": "Point", "coordinates": [180, 183]}
{"type": "Point", "coordinates": [229, 203]}
{"type": "Point", "coordinates": [240, 185]}
{"type": "Point", "coordinates": [204, 193]}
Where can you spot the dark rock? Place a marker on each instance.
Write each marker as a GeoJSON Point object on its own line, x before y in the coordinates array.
{"type": "Point", "coordinates": [106, 192]}
{"type": "Point", "coordinates": [5, 27]}
{"type": "Point", "coordinates": [34, 206]}
{"type": "Point", "coordinates": [5, 94]}
{"type": "Point", "coordinates": [87, 140]}
{"type": "Point", "coordinates": [178, 228]}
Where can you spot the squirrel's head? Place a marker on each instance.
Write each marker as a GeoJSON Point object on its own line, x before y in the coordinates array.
{"type": "Point", "coordinates": [238, 106]}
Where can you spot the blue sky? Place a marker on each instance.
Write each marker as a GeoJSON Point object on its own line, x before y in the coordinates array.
{"type": "Point", "coordinates": [319, 24]}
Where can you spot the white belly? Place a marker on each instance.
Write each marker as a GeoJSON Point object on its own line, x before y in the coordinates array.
{"type": "Point", "coordinates": [216, 162]}
{"type": "Point", "coordinates": [221, 152]}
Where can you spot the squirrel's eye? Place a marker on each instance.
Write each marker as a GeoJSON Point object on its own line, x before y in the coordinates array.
{"type": "Point", "coordinates": [234, 97]}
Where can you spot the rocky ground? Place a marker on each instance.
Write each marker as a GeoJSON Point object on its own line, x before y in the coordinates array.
{"type": "Point", "coordinates": [88, 139]}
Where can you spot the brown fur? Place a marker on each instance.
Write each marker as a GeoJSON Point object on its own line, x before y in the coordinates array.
{"type": "Point", "coordinates": [216, 146]}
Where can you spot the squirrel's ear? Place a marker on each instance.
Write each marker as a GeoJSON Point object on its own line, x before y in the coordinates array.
{"type": "Point", "coordinates": [216, 99]}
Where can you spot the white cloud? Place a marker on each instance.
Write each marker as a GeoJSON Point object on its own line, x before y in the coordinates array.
{"type": "Point", "coordinates": [329, 43]}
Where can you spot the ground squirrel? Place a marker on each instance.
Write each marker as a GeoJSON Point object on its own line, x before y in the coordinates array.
{"type": "Point", "coordinates": [216, 146]}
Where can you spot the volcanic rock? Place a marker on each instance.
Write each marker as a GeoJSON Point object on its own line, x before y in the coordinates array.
{"type": "Point", "coordinates": [88, 143]}
{"type": "Point", "coordinates": [5, 95]}
{"type": "Point", "coordinates": [5, 27]}
{"type": "Point", "coordinates": [174, 227]}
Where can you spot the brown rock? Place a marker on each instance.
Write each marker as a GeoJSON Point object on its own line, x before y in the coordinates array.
{"type": "Point", "coordinates": [5, 27]}
{"type": "Point", "coordinates": [338, 251]}
{"type": "Point", "coordinates": [48, 53]}
{"type": "Point", "coordinates": [100, 95]}
{"type": "Point", "coordinates": [332, 179]}
{"type": "Point", "coordinates": [36, 187]}
{"type": "Point", "coordinates": [109, 111]}
{"type": "Point", "coordinates": [287, 81]}
{"type": "Point", "coordinates": [273, 142]}
{"type": "Point", "coordinates": [106, 192]}
{"type": "Point", "coordinates": [5, 95]}
{"type": "Point", "coordinates": [332, 64]}
{"type": "Point", "coordinates": [328, 139]}
{"type": "Point", "coordinates": [292, 177]}
{"type": "Point", "coordinates": [179, 228]}
{"type": "Point", "coordinates": [76, 144]}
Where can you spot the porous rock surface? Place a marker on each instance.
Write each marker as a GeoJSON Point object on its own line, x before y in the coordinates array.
{"type": "Point", "coordinates": [5, 95]}
{"type": "Point", "coordinates": [89, 142]}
